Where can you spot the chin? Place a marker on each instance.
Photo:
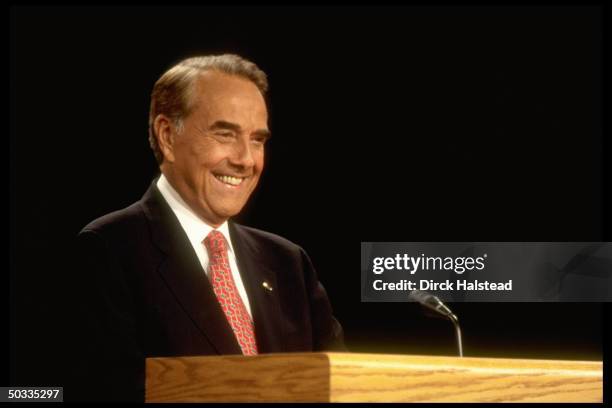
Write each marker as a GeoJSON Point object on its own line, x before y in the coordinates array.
{"type": "Point", "coordinates": [228, 213]}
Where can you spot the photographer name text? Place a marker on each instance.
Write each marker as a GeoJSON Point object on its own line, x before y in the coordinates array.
{"type": "Point", "coordinates": [448, 285]}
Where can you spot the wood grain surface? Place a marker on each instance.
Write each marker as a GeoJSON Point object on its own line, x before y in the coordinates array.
{"type": "Point", "coordinates": [351, 377]}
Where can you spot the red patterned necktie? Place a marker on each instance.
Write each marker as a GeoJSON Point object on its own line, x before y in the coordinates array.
{"type": "Point", "coordinates": [227, 294]}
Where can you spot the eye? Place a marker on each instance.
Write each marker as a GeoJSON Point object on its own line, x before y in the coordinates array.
{"type": "Point", "coordinates": [225, 134]}
{"type": "Point", "coordinates": [259, 140]}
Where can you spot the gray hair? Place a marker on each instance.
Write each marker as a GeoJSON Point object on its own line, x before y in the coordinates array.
{"type": "Point", "coordinates": [172, 94]}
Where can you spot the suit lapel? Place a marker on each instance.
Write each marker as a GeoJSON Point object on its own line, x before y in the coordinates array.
{"type": "Point", "coordinates": [254, 271]}
{"type": "Point", "coordinates": [182, 272]}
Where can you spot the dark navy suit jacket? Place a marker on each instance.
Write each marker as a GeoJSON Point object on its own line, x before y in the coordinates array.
{"type": "Point", "coordinates": [142, 293]}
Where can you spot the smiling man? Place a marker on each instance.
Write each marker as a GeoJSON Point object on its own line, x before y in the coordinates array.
{"type": "Point", "coordinates": [172, 275]}
{"type": "Point", "coordinates": [215, 156]}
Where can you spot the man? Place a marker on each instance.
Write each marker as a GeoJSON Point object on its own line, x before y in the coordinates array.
{"type": "Point", "coordinates": [172, 275]}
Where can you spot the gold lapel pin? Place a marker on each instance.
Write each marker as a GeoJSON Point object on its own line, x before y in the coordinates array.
{"type": "Point", "coordinates": [267, 286]}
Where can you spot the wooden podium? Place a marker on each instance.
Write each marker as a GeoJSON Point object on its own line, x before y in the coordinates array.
{"type": "Point", "coordinates": [349, 377]}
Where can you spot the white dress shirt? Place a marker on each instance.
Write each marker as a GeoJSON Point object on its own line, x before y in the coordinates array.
{"type": "Point", "coordinates": [197, 230]}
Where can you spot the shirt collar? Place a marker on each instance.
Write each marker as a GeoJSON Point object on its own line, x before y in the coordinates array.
{"type": "Point", "coordinates": [195, 228]}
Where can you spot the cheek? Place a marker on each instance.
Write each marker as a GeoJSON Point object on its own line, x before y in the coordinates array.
{"type": "Point", "coordinates": [206, 157]}
{"type": "Point", "coordinates": [259, 160]}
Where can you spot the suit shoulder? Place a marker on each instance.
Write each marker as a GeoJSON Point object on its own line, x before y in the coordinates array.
{"type": "Point", "coordinates": [120, 221]}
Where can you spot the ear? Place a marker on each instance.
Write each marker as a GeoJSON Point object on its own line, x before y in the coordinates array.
{"type": "Point", "coordinates": [165, 131]}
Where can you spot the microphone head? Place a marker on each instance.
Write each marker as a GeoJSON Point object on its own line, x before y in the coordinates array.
{"type": "Point", "coordinates": [431, 302]}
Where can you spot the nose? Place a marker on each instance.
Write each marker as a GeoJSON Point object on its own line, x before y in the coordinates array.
{"type": "Point", "coordinates": [242, 154]}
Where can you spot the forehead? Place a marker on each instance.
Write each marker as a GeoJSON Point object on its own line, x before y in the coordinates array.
{"type": "Point", "coordinates": [221, 96]}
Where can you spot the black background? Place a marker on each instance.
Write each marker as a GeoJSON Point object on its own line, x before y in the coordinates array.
{"type": "Point", "coordinates": [389, 124]}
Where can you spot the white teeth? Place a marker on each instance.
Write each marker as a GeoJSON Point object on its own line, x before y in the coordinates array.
{"type": "Point", "coordinates": [234, 181]}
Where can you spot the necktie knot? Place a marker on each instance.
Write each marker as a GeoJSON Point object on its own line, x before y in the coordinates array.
{"type": "Point", "coordinates": [215, 243]}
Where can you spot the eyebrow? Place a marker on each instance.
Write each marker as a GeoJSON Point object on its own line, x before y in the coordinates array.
{"type": "Point", "coordinates": [223, 124]}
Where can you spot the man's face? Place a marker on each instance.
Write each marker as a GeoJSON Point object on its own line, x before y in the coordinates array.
{"type": "Point", "coordinates": [216, 161]}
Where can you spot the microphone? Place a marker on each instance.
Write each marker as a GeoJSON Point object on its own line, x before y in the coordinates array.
{"type": "Point", "coordinates": [432, 302]}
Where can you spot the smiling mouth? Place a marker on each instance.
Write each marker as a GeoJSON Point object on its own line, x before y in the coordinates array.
{"type": "Point", "coordinates": [229, 180]}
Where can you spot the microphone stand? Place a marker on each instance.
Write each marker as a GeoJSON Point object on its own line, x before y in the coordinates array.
{"type": "Point", "coordinates": [453, 318]}
{"type": "Point", "coordinates": [434, 303]}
